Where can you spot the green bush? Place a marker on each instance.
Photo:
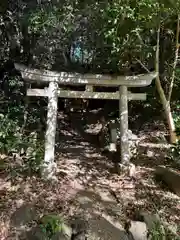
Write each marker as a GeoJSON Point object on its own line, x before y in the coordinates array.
{"type": "Point", "coordinates": [34, 160]}
{"type": "Point", "coordinates": [9, 135]}
{"type": "Point", "coordinates": [52, 224]}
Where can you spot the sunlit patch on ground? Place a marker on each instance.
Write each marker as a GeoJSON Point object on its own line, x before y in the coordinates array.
{"type": "Point", "coordinates": [86, 185]}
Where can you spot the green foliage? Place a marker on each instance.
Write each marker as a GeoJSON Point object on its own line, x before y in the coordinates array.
{"type": "Point", "coordinates": [11, 117]}
{"type": "Point", "coordinates": [35, 156]}
{"type": "Point", "coordinates": [9, 139]}
{"type": "Point", "coordinates": [48, 18]}
{"type": "Point", "coordinates": [128, 28]}
{"type": "Point", "coordinates": [117, 33]}
{"type": "Point", "coordinates": [12, 141]}
{"type": "Point", "coordinates": [157, 232]}
{"type": "Point", "coordinates": [51, 224]}
{"type": "Point", "coordinates": [14, 129]}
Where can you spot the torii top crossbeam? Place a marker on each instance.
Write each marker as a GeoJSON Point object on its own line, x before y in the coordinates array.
{"type": "Point", "coordinates": [87, 79]}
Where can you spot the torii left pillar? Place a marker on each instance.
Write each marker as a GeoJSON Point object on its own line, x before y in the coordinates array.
{"type": "Point", "coordinates": [49, 166]}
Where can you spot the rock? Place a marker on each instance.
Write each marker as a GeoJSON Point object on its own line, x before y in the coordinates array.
{"type": "Point", "coordinates": [153, 224]}
{"type": "Point", "coordinates": [67, 231]}
{"type": "Point", "coordinates": [23, 215]}
{"type": "Point", "coordinates": [36, 234]}
{"type": "Point", "coordinates": [79, 236]}
{"type": "Point", "coordinates": [150, 153]}
{"type": "Point", "coordinates": [132, 171]}
{"type": "Point", "coordinates": [64, 234]}
{"type": "Point", "coordinates": [61, 236]}
{"type": "Point", "coordinates": [158, 138]}
{"type": "Point", "coordinates": [137, 231]}
{"type": "Point", "coordinates": [149, 219]}
{"type": "Point", "coordinates": [170, 177]}
{"type": "Point", "coordinates": [79, 228]}
{"type": "Point", "coordinates": [105, 139]}
{"type": "Point", "coordinates": [129, 170]}
{"type": "Point", "coordinates": [132, 136]}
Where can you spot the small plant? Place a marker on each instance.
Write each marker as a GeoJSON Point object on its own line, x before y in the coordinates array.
{"type": "Point", "coordinates": [13, 141]}
{"type": "Point", "coordinates": [35, 155]}
{"type": "Point", "coordinates": [157, 232]}
{"type": "Point", "coordinates": [9, 139]}
{"type": "Point", "coordinates": [52, 224]}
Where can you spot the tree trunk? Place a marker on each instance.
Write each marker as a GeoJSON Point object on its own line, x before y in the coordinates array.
{"type": "Point", "coordinates": [165, 103]}
{"type": "Point", "coordinates": [175, 59]}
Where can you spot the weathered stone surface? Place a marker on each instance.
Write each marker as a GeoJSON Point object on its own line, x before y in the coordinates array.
{"type": "Point", "coordinates": [106, 140]}
{"type": "Point", "coordinates": [80, 236]}
{"type": "Point", "coordinates": [169, 177]}
{"type": "Point", "coordinates": [158, 138]}
{"type": "Point", "coordinates": [149, 219]}
{"type": "Point", "coordinates": [23, 215]}
{"type": "Point", "coordinates": [137, 231]}
{"type": "Point", "coordinates": [153, 224]}
{"type": "Point", "coordinates": [64, 234]}
{"type": "Point", "coordinates": [61, 236]}
{"type": "Point", "coordinates": [36, 234]}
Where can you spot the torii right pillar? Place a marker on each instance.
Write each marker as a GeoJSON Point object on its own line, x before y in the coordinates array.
{"type": "Point", "coordinates": [123, 116]}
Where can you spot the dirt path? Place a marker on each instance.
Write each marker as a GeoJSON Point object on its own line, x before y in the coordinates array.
{"type": "Point", "coordinates": [95, 184]}
{"type": "Point", "coordinates": [91, 180]}
{"type": "Point", "coordinates": [86, 186]}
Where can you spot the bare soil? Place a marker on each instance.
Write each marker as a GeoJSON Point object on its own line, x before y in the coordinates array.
{"type": "Point", "coordinates": [87, 185]}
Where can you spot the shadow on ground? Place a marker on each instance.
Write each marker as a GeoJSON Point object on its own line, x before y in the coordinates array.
{"type": "Point", "coordinates": [87, 186]}
{"type": "Point", "coordinates": [99, 210]}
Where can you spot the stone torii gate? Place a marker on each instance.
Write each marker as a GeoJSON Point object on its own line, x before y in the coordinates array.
{"type": "Point", "coordinates": [89, 80]}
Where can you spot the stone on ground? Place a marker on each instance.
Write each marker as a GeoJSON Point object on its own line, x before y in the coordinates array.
{"type": "Point", "coordinates": [170, 177]}
{"type": "Point", "coordinates": [138, 230]}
